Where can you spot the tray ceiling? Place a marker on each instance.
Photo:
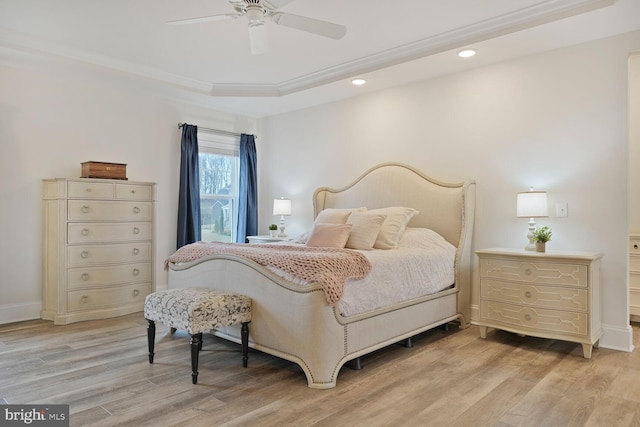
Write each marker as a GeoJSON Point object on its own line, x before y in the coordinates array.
{"type": "Point", "coordinates": [387, 42]}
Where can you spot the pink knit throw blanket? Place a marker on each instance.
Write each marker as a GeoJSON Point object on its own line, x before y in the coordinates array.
{"type": "Point", "coordinates": [330, 267]}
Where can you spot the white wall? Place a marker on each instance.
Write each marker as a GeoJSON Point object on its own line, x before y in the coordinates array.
{"type": "Point", "coordinates": [556, 121]}
{"type": "Point", "coordinates": [634, 143]}
{"type": "Point", "coordinates": [52, 118]}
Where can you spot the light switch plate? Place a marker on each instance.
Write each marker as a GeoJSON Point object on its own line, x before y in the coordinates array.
{"type": "Point", "coordinates": [561, 209]}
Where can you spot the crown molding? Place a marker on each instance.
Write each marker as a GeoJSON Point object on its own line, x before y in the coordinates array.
{"type": "Point", "coordinates": [538, 14]}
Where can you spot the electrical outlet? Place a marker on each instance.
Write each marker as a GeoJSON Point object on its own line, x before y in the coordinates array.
{"type": "Point", "coordinates": [561, 210]}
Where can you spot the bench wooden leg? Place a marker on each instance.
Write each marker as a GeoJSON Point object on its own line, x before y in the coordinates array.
{"type": "Point", "coordinates": [151, 338]}
{"type": "Point", "coordinates": [196, 340]}
{"type": "Point", "coordinates": [244, 335]}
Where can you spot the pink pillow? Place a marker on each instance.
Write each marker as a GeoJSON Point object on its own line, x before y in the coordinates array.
{"type": "Point", "coordinates": [336, 216]}
{"type": "Point", "coordinates": [329, 235]}
{"type": "Point", "coordinates": [365, 229]}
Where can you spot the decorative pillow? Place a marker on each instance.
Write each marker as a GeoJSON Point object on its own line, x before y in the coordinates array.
{"type": "Point", "coordinates": [336, 216]}
{"type": "Point", "coordinates": [365, 229]}
{"type": "Point", "coordinates": [329, 235]}
{"type": "Point", "coordinates": [393, 226]}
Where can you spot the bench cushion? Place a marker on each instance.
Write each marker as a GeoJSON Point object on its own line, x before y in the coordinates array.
{"type": "Point", "coordinates": [197, 310]}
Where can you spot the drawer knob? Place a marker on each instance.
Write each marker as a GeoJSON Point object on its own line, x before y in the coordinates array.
{"type": "Point", "coordinates": [85, 277]}
{"type": "Point", "coordinates": [136, 272]}
{"type": "Point", "coordinates": [136, 292]}
{"type": "Point", "coordinates": [527, 272]}
{"type": "Point", "coordinates": [84, 299]}
{"type": "Point", "coordinates": [527, 294]}
{"type": "Point", "coordinates": [136, 209]}
{"type": "Point", "coordinates": [88, 189]}
{"type": "Point", "coordinates": [527, 317]}
{"type": "Point", "coordinates": [133, 191]}
{"type": "Point", "coordinates": [85, 209]}
{"type": "Point", "coordinates": [84, 254]}
{"type": "Point", "coordinates": [85, 231]}
{"type": "Point", "coordinates": [136, 230]}
{"type": "Point", "coordinates": [635, 246]}
{"type": "Point", "coordinates": [136, 251]}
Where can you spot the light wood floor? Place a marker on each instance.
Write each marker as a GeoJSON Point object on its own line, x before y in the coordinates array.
{"type": "Point", "coordinates": [454, 378]}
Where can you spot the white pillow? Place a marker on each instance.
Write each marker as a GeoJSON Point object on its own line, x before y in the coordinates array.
{"type": "Point", "coordinates": [393, 226]}
{"type": "Point", "coordinates": [329, 235]}
{"type": "Point", "coordinates": [365, 229]}
{"type": "Point", "coordinates": [336, 216]}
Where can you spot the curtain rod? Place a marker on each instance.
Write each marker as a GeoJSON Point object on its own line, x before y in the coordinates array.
{"type": "Point", "coordinates": [214, 131]}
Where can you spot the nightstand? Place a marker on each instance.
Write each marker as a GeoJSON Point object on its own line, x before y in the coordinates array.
{"type": "Point", "coordinates": [266, 239]}
{"type": "Point", "coordinates": [552, 294]}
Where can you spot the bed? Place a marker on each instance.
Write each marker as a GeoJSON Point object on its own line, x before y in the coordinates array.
{"type": "Point", "coordinates": [293, 321]}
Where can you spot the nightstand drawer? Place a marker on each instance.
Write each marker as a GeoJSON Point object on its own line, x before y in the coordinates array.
{"type": "Point", "coordinates": [539, 272]}
{"type": "Point", "coordinates": [634, 263]}
{"type": "Point", "coordinates": [529, 319]}
{"type": "Point", "coordinates": [634, 245]}
{"type": "Point", "coordinates": [534, 295]}
{"type": "Point", "coordinates": [634, 280]}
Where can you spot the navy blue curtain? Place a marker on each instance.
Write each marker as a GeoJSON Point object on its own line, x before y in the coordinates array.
{"type": "Point", "coordinates": [189, 197]}
{"type": "Point", "coordinates": [248, 191]}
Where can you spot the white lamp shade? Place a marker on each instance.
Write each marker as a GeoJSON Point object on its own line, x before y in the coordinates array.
{"type": "Point", "coordinates": [281, 207]}
{"type": "Point", "coordinates": [532, 204]}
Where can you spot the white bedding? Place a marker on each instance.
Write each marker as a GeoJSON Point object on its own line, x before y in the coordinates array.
{"type": "Point", "coordinates": [421, 265]}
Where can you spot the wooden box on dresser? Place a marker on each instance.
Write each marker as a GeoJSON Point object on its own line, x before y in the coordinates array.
{"type": "Point", "coordinates": [549, 295]}
{"type": "Point", "coordinates": [98, 248]}
{"type": "Point", "coordinates": [634, 277]}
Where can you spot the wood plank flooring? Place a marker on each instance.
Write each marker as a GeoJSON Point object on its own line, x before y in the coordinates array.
{"type": "Point", "coordinates": [100, 368]}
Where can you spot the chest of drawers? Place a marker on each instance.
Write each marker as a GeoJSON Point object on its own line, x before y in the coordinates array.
{"type": "Point", "coordinates": [549, 295]}
{"type": "Point", "coordinates": [98, 246]}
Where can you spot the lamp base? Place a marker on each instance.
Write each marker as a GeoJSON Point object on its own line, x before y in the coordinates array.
{"type": "Point", "coordinates": [532, 227]}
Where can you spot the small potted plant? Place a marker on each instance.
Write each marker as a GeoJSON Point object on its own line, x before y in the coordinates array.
{"type": "Point", "coordinates": [273, 230]}
{"type": "Point", "coordinates": [541, 236]}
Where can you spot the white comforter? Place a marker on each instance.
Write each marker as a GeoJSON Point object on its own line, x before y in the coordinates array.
{"type": "Point", "coordinates": [421, 265]}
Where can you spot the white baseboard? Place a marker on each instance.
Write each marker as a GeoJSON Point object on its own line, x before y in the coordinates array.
{"type": "Point", "coordinates": [617, 338]}
{"type": "Point", "coordinates": [20, 312]}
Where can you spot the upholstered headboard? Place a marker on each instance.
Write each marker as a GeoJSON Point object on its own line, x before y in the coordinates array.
{"type": "Point", "coordinates": [445, 208]}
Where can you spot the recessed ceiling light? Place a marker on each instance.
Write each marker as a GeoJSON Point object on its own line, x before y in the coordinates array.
{"type": "Point", "coordinates": [467, 53]}
{"type": "Point", "coordinates": [358, 82]}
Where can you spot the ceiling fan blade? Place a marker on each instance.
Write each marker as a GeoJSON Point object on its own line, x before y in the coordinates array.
{"type": "Point", "coordinates": [276, 4]}
{"type": "Point", "coordinates": [310, 25]}
{"type": "Point", "coordinates": [209, 18]}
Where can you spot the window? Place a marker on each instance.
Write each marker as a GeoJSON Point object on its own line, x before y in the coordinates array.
{"type": "Point", "coordinates": [219, 162]}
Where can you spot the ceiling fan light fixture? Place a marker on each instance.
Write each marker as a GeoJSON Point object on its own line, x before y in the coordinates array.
{"type": "Point", "coordinates": [255, 14]}
{"type": "Point", "coordinates": [258, 38]}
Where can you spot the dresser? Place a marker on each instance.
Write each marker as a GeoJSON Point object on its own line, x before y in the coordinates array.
{"type": "Point", "coordinates": [98, 245]}
{"type": "Point", "coordinates": [634, 276]}
{"type": "Point", "coordinates": [549, 295]}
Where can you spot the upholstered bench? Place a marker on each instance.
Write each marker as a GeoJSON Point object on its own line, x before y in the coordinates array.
{"type": "Point", "coordinates": [197, 310]}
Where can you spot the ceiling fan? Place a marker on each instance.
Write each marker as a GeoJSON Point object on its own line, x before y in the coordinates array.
{"type": "Point", "coordinates": [257, 11]}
